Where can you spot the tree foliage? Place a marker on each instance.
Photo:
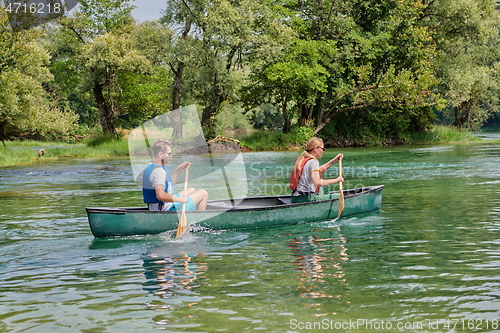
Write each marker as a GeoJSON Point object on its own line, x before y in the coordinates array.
{"type": "Point", "coordinates": [223, 35]}
{"type": "Point", "coordinates": [467, 36]}
{"type": "Point", "coordinates": [99, 42]}
{"type": "Point", "coordinates": [356, 57]}
{"type": "Point", "coordinates": [346, 69]}
{"type": "Point", "coordinates": [25, 104]}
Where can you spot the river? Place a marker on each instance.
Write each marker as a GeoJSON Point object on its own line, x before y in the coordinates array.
{"type": "Point", "coordinates": [428, 261]}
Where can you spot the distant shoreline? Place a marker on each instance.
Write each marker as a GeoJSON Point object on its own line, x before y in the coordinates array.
{"type": "Point", "coordinates": [26, 152]}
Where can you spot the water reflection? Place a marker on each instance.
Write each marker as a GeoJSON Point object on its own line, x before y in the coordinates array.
{"type": "Point", "coordinates": [319, 259]}
{"type": "Point", "coordinates": [172, 268]}
{"type": "Point", "coordinates": [170, 277]}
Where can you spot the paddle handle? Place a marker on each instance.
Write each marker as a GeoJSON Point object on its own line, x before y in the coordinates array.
{"type": "Point", "coordinates": [340, 170]}
{"type": "Point", "coordinates": [341, 192]}
{"type": "Point", "coordinates": [340, 175]}
{"type": "Point", "coordinates": [185, 188]}
{"type": "Point", "coordinates": [185, 180]}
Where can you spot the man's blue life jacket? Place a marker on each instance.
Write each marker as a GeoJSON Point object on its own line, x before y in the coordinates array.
{"type": "Point", "coordinates": [148, 190]}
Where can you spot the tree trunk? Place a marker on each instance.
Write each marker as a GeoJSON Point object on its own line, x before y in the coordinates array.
{"type": "Point", "coordinates": [213, 107]}
{"type": "Point", "coordinates": [176, 91]}
{"type": "Point", "coordinates": [302, 114]}
{"type": "Point", "coordinates": [105, 113]}
{"type": "Point", "coordinates": [321, 112]}
{"type": "Point", "coordinates": [306, 115]}
{"type": "Point", "coordinates": [287, 127]}
{"type": "Point", "coordinates": [208, 120]}
{"type": "Point", "coordinates": [176, 104]}
{"type": "Point", "coordinates": [459, 119]}
{"type": "Point", "coordinates": [3, 132]}
{"type": "Point", "coordinates": [324, 122]}
{"type": "Point", "coordinates": [209, 113]}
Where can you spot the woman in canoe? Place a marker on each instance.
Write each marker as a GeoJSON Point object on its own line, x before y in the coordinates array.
{"type": "Point", "coordinates": [158, 183]}
{"type": "Point", "coordinates": [306, 180]}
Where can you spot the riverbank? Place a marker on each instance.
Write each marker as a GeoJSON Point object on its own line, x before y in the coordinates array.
{"type": "Point", "coordinates": [28, 152]}
{"type": "Point", "coordinates": [276, 140]}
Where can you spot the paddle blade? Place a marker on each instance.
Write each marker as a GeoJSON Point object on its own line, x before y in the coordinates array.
{"type": "Point", "coordinates": [182, 226]}
{"type": "Point", "coordinates": [341, 201]}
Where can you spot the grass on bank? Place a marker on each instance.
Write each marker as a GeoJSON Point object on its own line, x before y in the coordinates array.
{"type": "Point", "coordinates": [442, 134]}
{"type": "Point", "coordinates": [276, 140]}
{"type": "Point", "coordinates": [26, 152]}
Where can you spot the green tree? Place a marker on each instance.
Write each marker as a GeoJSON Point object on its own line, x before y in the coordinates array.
{"type": "Point", "coordinates": [225, 31]}
{"type": "Point", "coordinates": [297, 79]}
{"type": "Point", "coordinates": [99, 42]}
{"type": "Point", "coordinates": [467, 38]}
{"type": "Point", "coordinates": [172, 53]}
{"type": "Point", "coordinates": [183, 50]}
{"type": "Point", "coordinates": [25, 104]}
{"type": "Point", "coordinates": [351, 57]}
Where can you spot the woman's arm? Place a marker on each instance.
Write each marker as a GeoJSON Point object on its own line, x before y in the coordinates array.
{"type": "Point", "coordinates": [318, 182]}
{"type": "Point", "coordinates": [329, 164]}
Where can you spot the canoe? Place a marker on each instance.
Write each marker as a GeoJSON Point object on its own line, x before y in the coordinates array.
{"type": "Point", "coordinates": [252, 212]}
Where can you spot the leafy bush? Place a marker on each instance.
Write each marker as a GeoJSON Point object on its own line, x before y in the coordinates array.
{"type": "Point", "coordinates": [272, 140]}
{"type": "Point", "coordinates": [299, 135]}
{"type": "Point", "coordinates": [376, 126]}
{"type": "Point", "coordinates": [101, 139]}
{"type": "Point", "coordinates": [442, 134]}
{"type": "Point", "coordinates": [232, 117]}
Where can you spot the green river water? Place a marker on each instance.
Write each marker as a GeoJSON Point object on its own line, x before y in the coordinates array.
{"type": "Point", "coordinates": [428, 261]}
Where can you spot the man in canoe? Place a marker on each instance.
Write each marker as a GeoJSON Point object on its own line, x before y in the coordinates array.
{"type": "Point", "coordinates": [306, 180]}
{"type": "Point", "coordinates": [158, 183]}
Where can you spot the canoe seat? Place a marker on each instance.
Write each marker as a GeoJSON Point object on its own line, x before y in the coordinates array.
{"type": "Point", "coordinates": [218, 205]}
{"type": "Point", "coordinates": [285, 201]}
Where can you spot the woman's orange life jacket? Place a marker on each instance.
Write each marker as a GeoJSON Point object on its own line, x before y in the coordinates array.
{"type": "Point", "coordinates": [297, 172]}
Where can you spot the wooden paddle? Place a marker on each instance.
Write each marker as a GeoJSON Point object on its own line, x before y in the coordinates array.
{"type": "Point", "coordinates": [182, 225]}
{"type": "Point", "coordinates": [341, 192]}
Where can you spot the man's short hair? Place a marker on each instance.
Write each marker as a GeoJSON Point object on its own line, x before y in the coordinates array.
{"type": "Point", "coordinates": [160, 146]}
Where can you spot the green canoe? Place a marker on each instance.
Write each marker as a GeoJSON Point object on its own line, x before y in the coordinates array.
{"type": "Point", "coordinates": [253, 212]}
